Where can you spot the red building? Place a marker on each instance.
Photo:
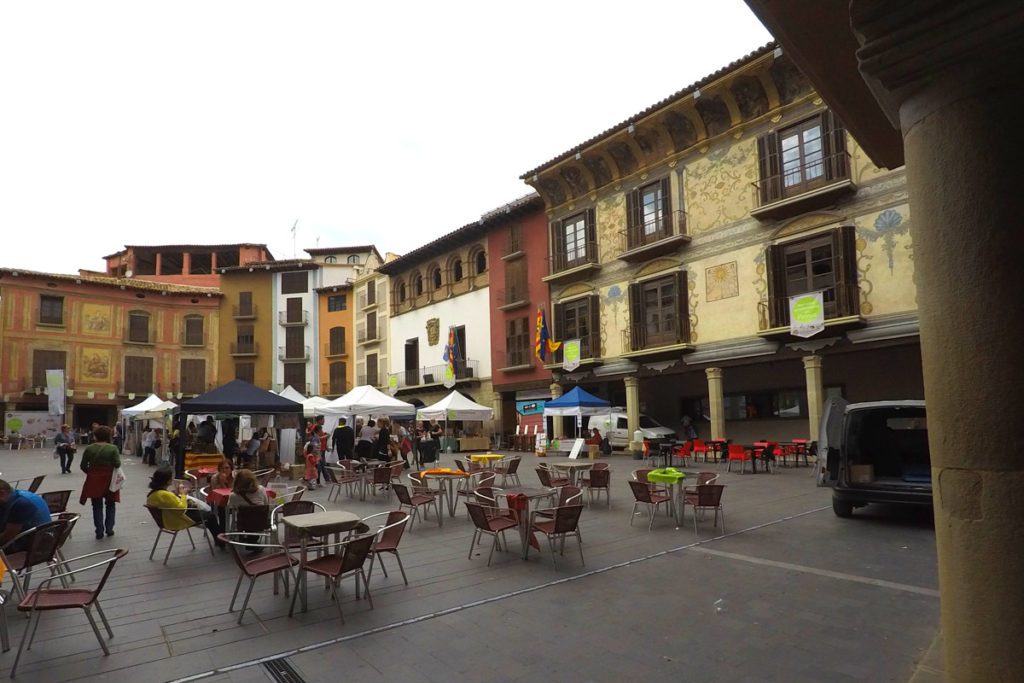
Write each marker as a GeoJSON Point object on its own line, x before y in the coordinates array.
{"type": "Point", "coordinates": [519, 249]}
{"type": "Point", "coordinates": [181, 264]}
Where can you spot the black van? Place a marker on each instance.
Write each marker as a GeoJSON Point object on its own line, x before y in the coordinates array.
{"type": "Point", "coordinates": [874, 453]}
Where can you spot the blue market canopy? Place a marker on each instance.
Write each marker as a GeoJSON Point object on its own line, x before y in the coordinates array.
{"type": "Point", "coordinates": [577, 402]}
{"type": "Point", "coordinates": [240, 398]}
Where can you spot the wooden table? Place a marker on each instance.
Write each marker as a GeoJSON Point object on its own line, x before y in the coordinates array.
{"type": "Point", "coordinates": [445, 487]}
{"type": "Point", "coordinates": [317, 524]}
{"type": "Point", "coordinates": [530, 493]}
{"type": "Point", "coordinates": [572, 468]}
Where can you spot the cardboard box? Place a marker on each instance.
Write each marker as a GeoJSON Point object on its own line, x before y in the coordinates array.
{"type": "Point", "coordinates": [862, 474]}
{"type": "Point", "coordinates": [296, 472]}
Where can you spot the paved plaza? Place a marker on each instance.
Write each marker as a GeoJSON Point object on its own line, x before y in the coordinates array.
{"type": "Point", "coordinates": [790, 593]}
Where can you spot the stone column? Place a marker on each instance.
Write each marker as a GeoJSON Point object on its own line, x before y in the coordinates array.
{"type": "Point", "coordinates": [497, 421]}
{"type": "Point", "coordinates": [632, 404]}
{"type": "Point", "coordinates": [815, 394]}
{"type": "Point", "coordinates": [954, 85]}
{"type": "Point", "coordinates": [716, 400]}
{"type": "Point", "coordinates": [556, 421]}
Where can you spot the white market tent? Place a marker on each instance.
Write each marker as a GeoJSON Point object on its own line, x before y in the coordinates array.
{"type": "Point", "coordinates": [455, 406]}
{"type": "Point", "coordinates": [366, 400]}
{"type": "Point", "coordinates": [148, 403]}
{"type": "Point", "coordinates": [293, 394]}
{"type": "Point", "coordinates": [157, 412]}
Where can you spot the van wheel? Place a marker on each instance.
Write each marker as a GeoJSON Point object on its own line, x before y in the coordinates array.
{"type": "Point", "coordinates": [842, 508]}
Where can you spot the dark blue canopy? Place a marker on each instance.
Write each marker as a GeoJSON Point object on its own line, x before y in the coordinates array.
{"type": "Point", "coordinates": [241, 398]}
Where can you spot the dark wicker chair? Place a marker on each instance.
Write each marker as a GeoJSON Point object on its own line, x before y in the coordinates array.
{"type": "Point", "coordinates": [564, 521]}
{"type": "Point", "coordinates": [645, 496]}
{"type": "Point", "coordinates": [489, 523]}
{"type": "Point", "coordinates": [707, 497]}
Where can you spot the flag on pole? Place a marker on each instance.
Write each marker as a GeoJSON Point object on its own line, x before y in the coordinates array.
{"type": "Point", "coordinates": [451, 352]}
{"type": "Point", "coordinates": [544, 344]}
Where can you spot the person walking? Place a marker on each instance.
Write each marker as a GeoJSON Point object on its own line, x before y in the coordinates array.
{"type": "Point", "coordinates": [64, 442]}
{"type": "Point", "coordinates": [99, 461]}
{"type": "Point", "coordinates": [343, 440]}
{"type": "Point", "coordinates": [382, 446]}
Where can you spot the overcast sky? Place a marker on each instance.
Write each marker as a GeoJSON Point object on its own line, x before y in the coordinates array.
{"type": "Point", "coordinates": [389, 123]}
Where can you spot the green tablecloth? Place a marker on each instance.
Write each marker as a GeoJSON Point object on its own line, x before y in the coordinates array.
{"type": "Point", "coordinates": [669, 475]}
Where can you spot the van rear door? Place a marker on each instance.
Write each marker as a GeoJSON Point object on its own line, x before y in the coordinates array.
{"type": "Point", "coordinates": [830, 434]}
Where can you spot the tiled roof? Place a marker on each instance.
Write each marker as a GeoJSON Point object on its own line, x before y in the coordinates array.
{"type": "Point", "coordinates": [327, 251]}
{"type": "Point", "coordinates": [119, 282]}
{"type": "Point", "coordinates": [289, 264]}
{"type": "Point", "coordinates": [183, 247]}
{"type": "Point", "coordinates": [685, 92]}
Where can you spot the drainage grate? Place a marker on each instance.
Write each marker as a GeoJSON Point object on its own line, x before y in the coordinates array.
{"type": "Point", "coordinates": [282, 671]}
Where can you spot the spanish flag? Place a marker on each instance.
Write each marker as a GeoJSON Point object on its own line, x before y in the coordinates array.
{"type": "Point", "coordinates": [544, 345]}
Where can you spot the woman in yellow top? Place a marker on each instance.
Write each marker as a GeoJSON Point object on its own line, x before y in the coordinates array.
{"type": "Point", "coordinates": [177, 514]}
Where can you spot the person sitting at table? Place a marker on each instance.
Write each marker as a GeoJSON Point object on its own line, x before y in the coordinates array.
{"type": "Point", "coordinates": [247, 491]}
{"type": "Point", "coordinates": [595, 437]}
{"type": "Point", "coordinates": [20, 511]}
{"type": "Point", "coordinates": [224, 478]}
{"type": "Point", "coordinates": [177, 514]}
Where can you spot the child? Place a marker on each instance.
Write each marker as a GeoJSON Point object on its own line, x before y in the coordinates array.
{"type": "Point", "coordinates": [312, 457]}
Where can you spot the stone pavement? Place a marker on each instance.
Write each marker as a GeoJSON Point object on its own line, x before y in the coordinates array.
{"type": "Point", "coordinates": [790, 593]}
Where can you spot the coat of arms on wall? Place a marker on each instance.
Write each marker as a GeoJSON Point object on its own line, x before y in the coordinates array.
{"type": "Point", "coordinates": [433, 331]}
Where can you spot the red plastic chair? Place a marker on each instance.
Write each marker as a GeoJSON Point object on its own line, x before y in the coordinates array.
{"type": "Point", "coordinates": [738, 453]}
{"type": "Point", "coordinates": [698, 446]}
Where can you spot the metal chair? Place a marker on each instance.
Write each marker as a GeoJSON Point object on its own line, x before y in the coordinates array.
{"type": "Point", "coordinates": [255, 566]}
{"type": "Point", "coordinates": [36, 483]}
{"type": "Point", "coordinates": [598, 481]}
{"type": "Point", "coordinates": [342, 559]}
{"type": "Point", "coordinates": [414, 501]}
{"type": "Point", "coordinates": [563, 522]}
{"type": "Point", "coordinates": [644, 496]}
{"type": "Point", "coordinates": [509, 470]}
{"type": "Point", "coordinates": [707, 497]}
{"type": "Point", "coordinates": [41, 549]}
{"type": "Point", "coordinates": [57, 501]}
{"type": "Point", "coordinates": [158, 517]}
{"type": "Point", "coordinates": [490, 524]}
{"type": "Point", "coordinates": [387, 540]}
{"type": "Point", "coordinates": [44, 598]}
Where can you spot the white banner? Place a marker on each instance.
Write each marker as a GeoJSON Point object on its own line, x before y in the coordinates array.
{"type": "Point", "coordinates": [55, 391]}
{"type": "Point", "coordinates": [570, 354]}
{"type": "Point", "coordinates": [393, 384]}
{"type": "Point", "coordinates": [449, 377]}
{"type": "Point", "coordinates": [806, 314]}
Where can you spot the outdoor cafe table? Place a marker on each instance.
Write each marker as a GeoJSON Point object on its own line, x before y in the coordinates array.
{"type": "Point", "coordinates": [530, 493]}
{"type": "Point", "coordinates": [219, 497]}
{"type": "Point", "coordinates": [446, 479]}
{"type": "Point", "coordinates": [315, 524]}
{"type": "Point", "coordinates": [673, 478]}
{"type": "Point", "coordinates": [572, 468]}
{"type": "Point", "coordinates": [720, 448]}
{"type": "Point", "coordinates": [487, 458]}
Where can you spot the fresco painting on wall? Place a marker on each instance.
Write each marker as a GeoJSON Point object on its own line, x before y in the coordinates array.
{"type": "Point", "coordinates": [96, 319]}
{"type": "Point", "coordinates": [722, 281]}
{"type": "Point", "coordinates": [94, 365]}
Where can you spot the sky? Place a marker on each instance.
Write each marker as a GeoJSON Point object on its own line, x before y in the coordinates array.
{"type": "Point", "coordinates": [220, 122]}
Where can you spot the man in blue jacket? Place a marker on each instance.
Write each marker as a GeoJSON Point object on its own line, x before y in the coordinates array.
{"type": "Point", "coordinates": [20, 511]}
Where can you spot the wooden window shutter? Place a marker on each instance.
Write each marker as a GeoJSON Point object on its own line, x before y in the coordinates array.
{"type": "Point", "coordinates": [591, 235]}
{"type": "Point", "coordinates": [844, 253]}
{"type": "Point", "coordinates": [633, 209]}
{"type": "Point", "coordinates": [636, 317]}
{"type": "Point", "coordinates": [559, 322]}
{"type": "Point", "coordinates": [833, 145]}
{"type": "Point", "coordinates": [769, 167]}
{"type": "Point", "coordinates": [594, 309]}
{"type": "Point", "coordinates": [775, 262]}
{"type": "Point", "coordinates": [557, 244]}
{"type": "Point", "coordinates": [682, 308]}
{"type": "Point", "coordinates": [666, 203]}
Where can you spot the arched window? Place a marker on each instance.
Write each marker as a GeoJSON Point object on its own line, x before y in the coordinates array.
{"type": "Point", "coordinates": [481, 262]}
{"type": "Point", "coordinates": [417, 284]}
{"type": "Point", "coordinates": [457, 270]}
{"type": "Point", "coordinates": [401, 292]}
{"type": "Point", "coordinates": [353, 259]}
{"type": "Point", "coordinates": [330, 259]}
{"type": "Point", "coordinates": [138, 327]}
{"type": "Point", "coordinates": [435, 278]}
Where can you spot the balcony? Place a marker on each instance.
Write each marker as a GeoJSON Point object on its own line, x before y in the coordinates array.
{"type": "Point", "coordinates": [654, 238]}
{"type": "Point", "coordinates": [240, 313]}
{"type": "Point", "coordinates": [668, 339]}
{"type": "Point", "coordinates": [363, 301]}
{"type": "Point", "coordinates": [515, 247]}
{"type": "Point", "coordinates": [192, 342]}
{"type": "Point", "coordinates": [296, 354]}
{"type": "Point", "coordinates": [842, 310]}
{"type": "Point", "coordinates": [139, 339]}
{"type": "Point", "coordinates": [573, 264]}
{"type": "Point", "coordinates": [465, 371]}
{"type": "Point", "coordinates": [373, 333]}
{"type": "Point", "coordinates": [245, 349]}
{"type": "Point", "coordinates": [334, 350]}
{"type": "Point", "coordinates": [513, 297]}
{"type": "Point", "coordinates": [333, 388]}
{"type": "Point", "coordinates": [514, 360]}
{"type": "Point", "coordinates": [293, 318]}
{"type": "Point", "coordinates": [590, 353]}
{"type": "Point", "coordinates": [781, 196]}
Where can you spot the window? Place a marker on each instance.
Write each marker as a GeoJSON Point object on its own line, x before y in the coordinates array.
{"type": "Point", "coordinates": [246, 372]}
{"type": "Point", "coordinates": [294, 342]}
{"type": "Point", "coordinates": [193, 376]}
{"type": "Point", "coordinates": [826, 262]}
{"type": "Point", "coordinates": [371, 369]}
{"type": "Point", "coordinates": [293, 310]}
{"type": "Point", "coordinates": [245, 309]}
{"type": "Point", "coordinates": [337, 374]}
{"type": "Point", "coordinates": [648, 213]}
{"type": "Point", "coordinates": [371, 326]}
{"type": "Point", "coordinates": [658, 312]}
{"type": "Point", "coordinates": [337, 302]}
{"type": "Point", "coordinates": [402, 294]}
{"type": "Point", "coordinates": [417, 284]}
{"type": "Point", "coordinates": [194, 331]}
{"type": "Point", "coordinates": [138, 327]}
{"type": "Point", "coordinates": [200, 264]}
{"type": "Point", "coordinates": [330, 259]}
{"type": "Point", "coordinates": [515, 239]}
{"type": "Point", "coordinates": [579, 319]}
{"type": "Point", "coordinates": [371, 294]}
{"type": "Point", "coordinates": [337, 344]}
{"type": "Point", "coordinates": [435, 278]}
{"type": "Point", "coordinates": [353, 258]}
{"type": "Point", "coordinates": [515, 281]}
{"type": "Point", "coordinates": [245, 335]}
{"type": "Point", "coordinates": [138, 375]}
{"type": "Point", "coordinates": [575, 241]}
{"type": "Point", "coordinates": [46, 360]}
{"type": "Point", "coordinates": [295, 283]}
{"type": "Point", "coordinates": [802, 157]}
{"type": "Point", "coordinates": [457, 270]}
{"type": "Point", "coordinates": [517, 342]}
{"type": "Point", "coordinates": [295, 375]}
{"type": "Point", "coordinates": [51, 310]}
{"type": "Point", "coordinates": [481, 262]}
{"type": "Point", "coordinates": [412, 361]}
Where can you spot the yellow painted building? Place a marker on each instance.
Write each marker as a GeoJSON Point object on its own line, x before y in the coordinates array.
{"type": "Point", "coordinates": [247, 323]}
{"type": "Point", "coordinates": [335, 339]}
{"type": "Point", "coordinates": [678, 238]}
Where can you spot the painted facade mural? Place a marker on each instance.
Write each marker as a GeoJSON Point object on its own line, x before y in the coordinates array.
{"type": "Point", "coordinates": [96, 319]}
{"type": "Point", "coordinates": [94, 366]}
{"type": "Point", "coordinates": [719, 187]}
